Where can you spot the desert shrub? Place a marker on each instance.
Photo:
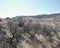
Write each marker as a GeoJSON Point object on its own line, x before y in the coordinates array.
{"type": "Point", "coordinates": [21, 22]}
{"type": "Point", "coordinates": [1, 26]}
{"type": "Point", "coordinates": [47, 29]}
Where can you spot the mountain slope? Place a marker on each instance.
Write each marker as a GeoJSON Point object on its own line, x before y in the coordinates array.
{"type": "Point", "coordinates": [39, 16]}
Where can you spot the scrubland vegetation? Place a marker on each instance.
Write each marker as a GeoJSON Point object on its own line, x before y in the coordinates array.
{"type": "Point", "coordinates": [29, 33]}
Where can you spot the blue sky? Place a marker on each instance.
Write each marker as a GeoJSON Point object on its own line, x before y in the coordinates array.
{"type": "Point", "coordinates": [11, 8]}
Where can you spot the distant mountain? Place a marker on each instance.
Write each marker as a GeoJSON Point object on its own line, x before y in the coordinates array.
{"type": "Point", "coordinates": [39, 16]}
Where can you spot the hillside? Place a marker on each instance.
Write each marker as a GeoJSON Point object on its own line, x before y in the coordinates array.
{"type": "Point", "coordinates": [41, 31]}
